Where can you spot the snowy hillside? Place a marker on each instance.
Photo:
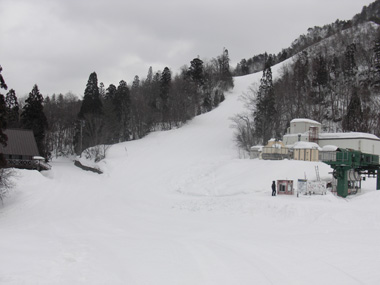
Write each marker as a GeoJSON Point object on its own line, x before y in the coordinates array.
{"type": "Point", "coordinates": [180, 207]}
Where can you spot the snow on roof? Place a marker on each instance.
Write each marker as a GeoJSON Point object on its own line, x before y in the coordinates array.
{"type": "Point", "coordinates": [329, 148]}
{"type": "Point", "coordinates": [306, 145]}
{"type": "Point", "coordinates": [296, 135]}
{"type": "Point", "coordinates": [302, 120]}
{"type": "Point", "coordinates": [331, 136]}
{"type": "Point", "coordinates": [277, 145]}
{"type": "Point", "coordinates": [350, 135]}
{"type": "Point", "coordinates": [257, 147]}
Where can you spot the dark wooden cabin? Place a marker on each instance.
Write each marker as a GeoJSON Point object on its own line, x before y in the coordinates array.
{"type": "Point", "coordinates": [21, 150]}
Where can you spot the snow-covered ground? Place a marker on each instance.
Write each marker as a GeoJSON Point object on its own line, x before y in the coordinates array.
{"type": "Point", "coordinates": [180, 207]}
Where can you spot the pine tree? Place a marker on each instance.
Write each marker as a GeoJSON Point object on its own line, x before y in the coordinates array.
{"type": "Point", "coordinates": [3, 122]}
{"type": "Point", "coordinates": [91, 101]}
{"type": "Point", "coordinates": [102, 91]}
{"type": "Point", "coordinates": [165, 85]}
{"type": "Point", "coordinates": [353, 120]}
{"type": "Point", "coordinates": [265, 113]}
{"type": "Point", "coordinates": [350, 68]}
{"type": "Point", "coordinates": [90, 124]}
{"type": "Point", "coordinates": [136, 83]}
{"type": "Point", "coordinates": [110, 120]}
{"type": "Point", "coordinates": [301, 83]}
{"type": "Point", "coordinates": [13, 116]}
{"type": "Point", "coordinates": [165, 82]}
{"type": "Point", "coordinates": [196, 72]}
{"type": "Point", "coordinates": [320, 79]}
{"type": "Point", "coordinates": [225, 74]}
{"type": "Point", "coordinates": [33, 118]}
{"type": "Point", "coordinates": [4, 175]}
{"type": "Point", "coordinates": [149, 77]}
{"type": "Point", "coordinates": [244, 66]}
{"type": "Point", "coordinates": [110, 92]}
{"type": "Point", "coordinates": [376, 50]}
{"type": "Point", "coordinates": [122, 107]}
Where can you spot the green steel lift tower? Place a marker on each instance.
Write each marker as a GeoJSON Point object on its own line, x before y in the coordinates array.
{"type": "Point", "coordinates": [343, 160]}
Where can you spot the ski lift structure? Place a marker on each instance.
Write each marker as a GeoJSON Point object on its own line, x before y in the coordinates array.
{"type": "Point", "coordinates": [349, 166]}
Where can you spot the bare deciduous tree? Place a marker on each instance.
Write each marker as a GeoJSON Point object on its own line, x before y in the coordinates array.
{"type": "Point", "coordinates": [6, 183]}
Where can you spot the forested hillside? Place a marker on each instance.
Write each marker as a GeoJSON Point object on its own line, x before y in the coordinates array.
{"type": "Point", "coordinates": [334, 81]}
{"type": "Point", "coordinates": [314, 35]}
{"type": "Point", "coordinates": [161, 101]}
{"type": "Point", "coordinates": [65, 125]}
{"type": "Point", "coordinates": [331, 75]}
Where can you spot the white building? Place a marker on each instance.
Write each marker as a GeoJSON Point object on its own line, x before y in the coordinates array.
{"type": "Point", "coordinates": [299, 126]}
{"type": "Point", "coordinates": [310, 131]}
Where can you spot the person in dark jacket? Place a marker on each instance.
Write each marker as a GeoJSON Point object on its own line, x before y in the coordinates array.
{"type": "Point", "coordinates": [274, 188]}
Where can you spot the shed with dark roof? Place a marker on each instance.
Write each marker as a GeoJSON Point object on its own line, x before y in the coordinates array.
{"type": "Point", "coordinates": [21, 148]}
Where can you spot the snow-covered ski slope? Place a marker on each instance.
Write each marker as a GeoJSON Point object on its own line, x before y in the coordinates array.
{"type": "Point", "coordinates": [180, 207]}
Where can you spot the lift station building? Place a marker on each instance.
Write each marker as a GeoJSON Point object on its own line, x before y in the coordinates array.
{"type": "Point", "coordinates": [305, 130]}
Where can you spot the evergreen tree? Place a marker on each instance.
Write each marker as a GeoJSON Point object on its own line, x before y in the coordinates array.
{"type": "Point", "coordinates": [3, 125]}
{"type": "Point", "coordinates": [350, 68]}
{"type": "Point", "coordinates": [225, 74]}
{"type": "Point", "coordinates": [112, 124]}
{"type": "Point", "coordinates": [244, 66]}
{"type": "Point", "coordinates": [165, 82]}
{"type": "Point", "coordinates": [91, 101]}
{"type": "Point", "coordinates": [3, 122]}
{"type": "Point", "coordinates": [149, 77]}
{"type": "Point", "coordinates": [122, 107]}
{"type": "Point", "coordinates": [102, 91]}
{"type": "Point", "coordinates": [165, 85]}
{"type": "Point", "coordinates": [196, 72]}
{"type": "Point", "coordinates": [353, 120]}
{"type": "Point", "coordinates": [90, 123]}
{"type": "Point", "coordinates": [301, 84]}
{"type": "Point", "coordinates": [265, 113]}
{"type": "Point", "coordinates": [33, 118]}
{"type": "Point", "coordinates": [155, 94]}
{"type": "Point", "coordinates": [110, 92]}
{"type": "Point", "coordinates": [376, 50]}
{"type": "Point", "coordinates": [13, 116]}
{"type": "Point", "coordinates": [136, 83]}
{"type": "Point", "coordinates": [320, 78]}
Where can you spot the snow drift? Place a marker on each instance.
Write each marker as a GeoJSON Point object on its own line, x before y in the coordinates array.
{"type": "Point", "coordinates": [180, 207]}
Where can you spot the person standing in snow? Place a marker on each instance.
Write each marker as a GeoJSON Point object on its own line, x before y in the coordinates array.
{"type": "Point", "coordinates": [274, 188]}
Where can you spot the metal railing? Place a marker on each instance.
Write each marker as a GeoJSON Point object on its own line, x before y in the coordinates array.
{"type": "Point", "coordinates": [28, 164]}
{"type": "Point", "coordinates": [327, 155]}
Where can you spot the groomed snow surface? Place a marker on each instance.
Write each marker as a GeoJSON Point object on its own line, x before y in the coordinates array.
{"type": "Point", "coordinates": [180, 207]}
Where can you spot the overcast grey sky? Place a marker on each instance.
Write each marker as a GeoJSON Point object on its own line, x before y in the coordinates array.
{"type": "Point", "coordinates": [58, 43]}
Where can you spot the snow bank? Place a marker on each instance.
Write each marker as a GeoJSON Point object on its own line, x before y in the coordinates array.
{"type": "Point", "coordinates": [179, 207]}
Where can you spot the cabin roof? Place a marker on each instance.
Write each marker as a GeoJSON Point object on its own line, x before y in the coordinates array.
{"type": "Point", "coordinates": [20, 142]}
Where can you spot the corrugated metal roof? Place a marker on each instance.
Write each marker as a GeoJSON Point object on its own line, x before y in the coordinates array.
{"type": "Point", "coordinates": [20, 142]}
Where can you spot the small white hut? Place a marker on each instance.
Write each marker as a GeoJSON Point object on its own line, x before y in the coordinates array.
{"type": "Point", "coordinates": [306, 151]}
{"type": "Point", "coordinates": [275, 150]}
